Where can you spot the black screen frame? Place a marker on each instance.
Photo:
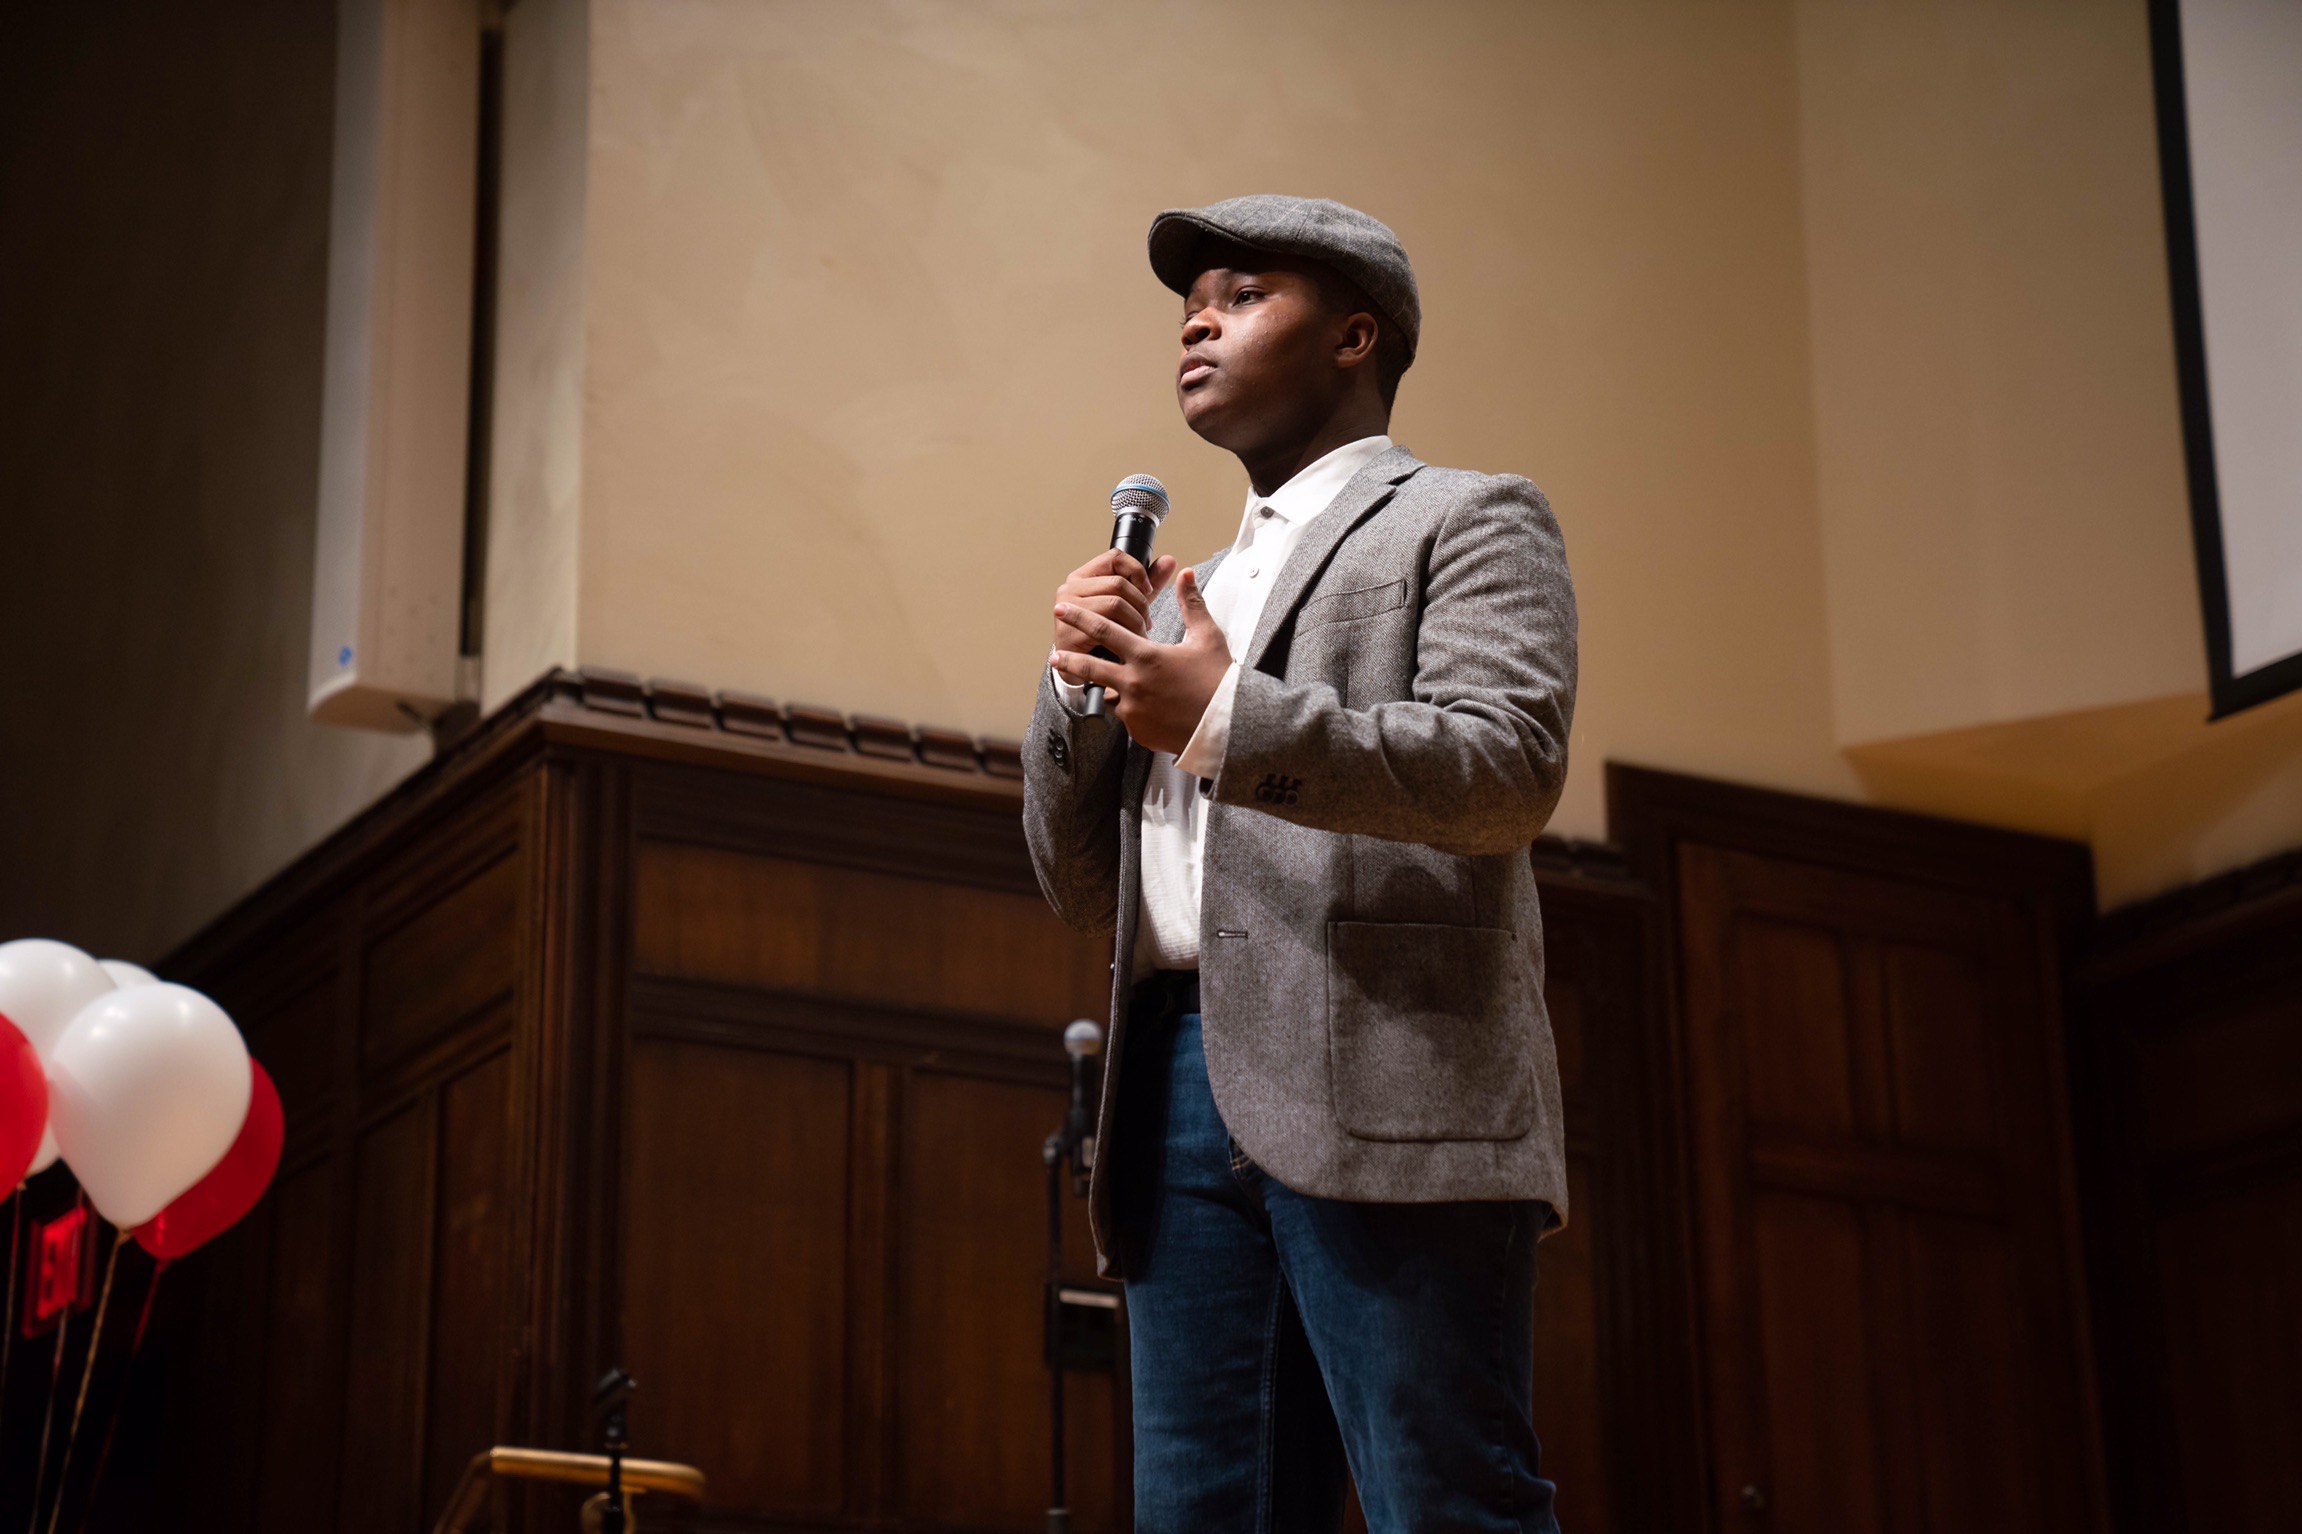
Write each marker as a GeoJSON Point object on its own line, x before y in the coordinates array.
{"type": "Point", "coordinates": [2231, 692]}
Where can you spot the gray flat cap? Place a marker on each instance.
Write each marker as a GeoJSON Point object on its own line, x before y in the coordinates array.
{"type": "Point", "coordinates": [1362, 248]}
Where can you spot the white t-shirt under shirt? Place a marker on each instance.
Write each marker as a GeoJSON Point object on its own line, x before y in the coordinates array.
{"type": "Point", "coordinates": [1174, 814]}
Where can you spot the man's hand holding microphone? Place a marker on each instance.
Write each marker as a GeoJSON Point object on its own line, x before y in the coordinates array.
{"type": "Point", "coordinates": [1158, 691]}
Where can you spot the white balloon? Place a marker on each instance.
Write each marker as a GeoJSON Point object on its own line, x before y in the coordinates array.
{"type": "Point", "coordinates": [43, 986]}
{"type": "Point", "coordinates": [147, 1089]}
{"type": "Point", "coordinates": [125, 974]}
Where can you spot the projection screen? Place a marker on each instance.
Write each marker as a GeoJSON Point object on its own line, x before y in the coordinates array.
{"type": "Point", "coordinates": [2229, 79]}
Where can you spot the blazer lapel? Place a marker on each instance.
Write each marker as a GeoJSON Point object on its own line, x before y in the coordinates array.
{"type": "Point", "coordinates": [1353, 504]}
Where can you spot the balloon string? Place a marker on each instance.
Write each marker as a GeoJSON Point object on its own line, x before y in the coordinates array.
{"type": "Point", "coordinates": [87, 1373]}
{"type": "Point", "coordinates": [8, 1316]}
{"type": "Point", "coordinates": [120, 1406]}
{"type": "Point", "coordinates": [55, 1377]}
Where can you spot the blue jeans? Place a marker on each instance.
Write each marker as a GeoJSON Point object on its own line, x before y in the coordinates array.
{"type": "Point", "coordinates": [1275, 1336]}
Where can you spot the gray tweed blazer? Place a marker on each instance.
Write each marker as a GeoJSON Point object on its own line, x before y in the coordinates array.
{"type": "Point", "coordinates": [1371, 950]}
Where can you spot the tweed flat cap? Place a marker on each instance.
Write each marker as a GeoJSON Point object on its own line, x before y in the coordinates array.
{"type": "Point", "coordinates": [1362, 248]}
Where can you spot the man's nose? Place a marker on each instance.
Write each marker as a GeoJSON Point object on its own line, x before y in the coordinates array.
{"type": "Point", "coordinates": [1198, 327]}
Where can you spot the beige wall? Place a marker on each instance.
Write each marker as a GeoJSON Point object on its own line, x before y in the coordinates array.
{"type": "Point", "coordinates": [165, 176]}
{"type": "Point", "coordinates": [1836, 333]}
{"type": "Point", "coordinates": [1998, 451]}
{"type": "Point", "coordinates": [870, 333]}
{"type": "Point", "coordinates": [2014, 623]}
{"type": "Point", "coordinates": [535, 493]}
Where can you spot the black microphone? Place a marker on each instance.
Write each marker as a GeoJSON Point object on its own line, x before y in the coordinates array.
{"type": "Point", "coordinates": [1082, 1041]}
{"type": "Point", "coordinates": [1138, 506]}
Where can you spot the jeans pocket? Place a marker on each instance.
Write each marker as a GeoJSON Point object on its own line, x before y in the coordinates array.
{"type": "Point", "coordinates": [1430, 1031]}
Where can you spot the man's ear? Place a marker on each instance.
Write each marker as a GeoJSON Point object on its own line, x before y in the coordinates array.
{"type": "Point", "coordinates": [1355, 341]}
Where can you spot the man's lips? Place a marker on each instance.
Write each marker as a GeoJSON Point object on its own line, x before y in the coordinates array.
{"type": "Point", "coordinates": [1195, 368]}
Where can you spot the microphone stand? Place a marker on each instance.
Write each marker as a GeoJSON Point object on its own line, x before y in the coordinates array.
{"type": "Point", "coordinates": [609, 1402]}
{"type": "Point", "coordinates": [1073, 1143]}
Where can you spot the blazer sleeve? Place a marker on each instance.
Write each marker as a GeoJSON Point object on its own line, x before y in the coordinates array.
{"type": "Point", "coordinates": [1073, 765]}
{"type": "Point", "coordinates": [1473, 763]}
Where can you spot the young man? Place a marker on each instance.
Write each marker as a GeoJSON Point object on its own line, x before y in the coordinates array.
{"type": "Point", "coordinates": [1330, 1123]}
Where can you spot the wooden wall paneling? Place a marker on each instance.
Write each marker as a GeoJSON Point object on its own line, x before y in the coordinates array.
{"type": "Point", "coordinates": [872, 1358]}
{"type": "Point", "coordinates": [469, 1338]}
{"type": "Point", "coordinates": [437, 966]}
{"type": "Point", "coordinates": [1832, 1206]}
{"type": "Point", "coordinates": [971, 1404]}
{"type": "Point", "coordinates": [1569, 1407]}
{"type": "Point", "coordinates": [1570, 1411]}
{"type": "Point", "coordinates": [1624, 1434]}
{"type": "Point", "coordinates": [1871, 1024]}
{"type": "Point", "coordinates": [530, 995]}
{"type": "Point", "coordinates": [2194, 1137]}
{"type": "Point", "coordinates": [748, 918]}
{"type": "Point", "coordinates": [946, 830]}
{"type": "Point", "coordinates": [563, 1114]}
{"type": "Point", "coordinates": [744, 948]}
{"type": "Point", "coordinates": [736, 1269]}
{"type": "Point", "coordinates": [389, 1315]}
{"type": "Point", "coordinates": [2231, 1267]}
{"type": "Point", "coordinates": [300, 1431]}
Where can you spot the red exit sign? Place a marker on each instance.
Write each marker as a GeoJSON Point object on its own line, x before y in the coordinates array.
{"type": "Point", "coordinates": [63, 1270]}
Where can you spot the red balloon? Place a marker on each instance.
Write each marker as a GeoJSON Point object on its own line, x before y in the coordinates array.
{"type": "Point", "coordinates": [217, 1201]}
{"type": "Point", "coordinates": [23, 1106]}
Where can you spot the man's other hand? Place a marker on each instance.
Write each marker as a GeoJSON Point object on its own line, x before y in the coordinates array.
{"type": "Point", "coordinates": [1158, 691]}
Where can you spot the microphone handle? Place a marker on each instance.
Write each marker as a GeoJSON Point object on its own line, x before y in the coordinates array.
{"type": "Point", "coordinates": [1079, 1123]}
{"type": "Point", "coordinates": [1132, 533]}
{"type": "Point", "coordinates": [1075, 1120]}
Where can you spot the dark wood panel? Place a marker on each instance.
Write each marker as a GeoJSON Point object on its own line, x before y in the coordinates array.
{"type": "Point", "coordinates": [2232, 1271]}
{"type": "Point", "coordinates": [735, 1262]}
{"type": "Point", "coordinates": [738, 1078]}
{"type": "Point", "coordinates": [971, 1416]}
{"type": "Point", "coordinates": [298, 1044]}
{"type": "Point", "coordinates": [1885, 1224]}
{"type": "Point", "coordinates": [470, 1279]}
{"type": "Point", "coordinates": [382, 1485]}
{"type": "Point", "coordinates": [1813, 1405]}
{"type": "Point", "coordinates": [301, 1431]}
{"type": "Point", "coordinates": [708, 914]}
{"type": "Point", "coordinates": [949, 837]}
{"type": "Point", "coordinates": [1854, 1408]}
{"type": "Point", "coordinates": [1570, 1405]}
{"type": "Point", "coordinates": [449, 961]}
{"type": "Point", "coordinates": [1626, 1177]}
{"type": "Point", "coordinates": [2220, 1075]}
{"type": "Point", "coordinates": [2193, 1082]}
{"type": "Point", "coordinates": [1985, 1416]}
{"type": "Point", "coordinates": [1938, 1020]}
{"type": "Point", "coordinates": [1799, 1064]}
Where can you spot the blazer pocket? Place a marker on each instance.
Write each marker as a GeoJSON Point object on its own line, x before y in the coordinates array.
{"type": "Point", "coordinates": [1343, 606]}
{"type": "Point", "coordinates": [1429, 1031]}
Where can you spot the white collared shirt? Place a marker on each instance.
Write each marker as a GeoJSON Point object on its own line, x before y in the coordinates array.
{"type": "Point", "coordinates": [1174, 814]}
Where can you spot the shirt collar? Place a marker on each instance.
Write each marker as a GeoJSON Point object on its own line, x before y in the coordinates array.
{"type": "Point", "coordinates": [1316, 485]}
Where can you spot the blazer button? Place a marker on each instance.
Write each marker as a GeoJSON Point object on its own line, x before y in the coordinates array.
{"type": "Point", "coordinates": [1058, 750]}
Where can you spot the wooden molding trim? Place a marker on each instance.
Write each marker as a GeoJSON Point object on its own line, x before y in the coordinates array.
{"type": "Point", "coordinates": [2197, 916]}
{"type": "Point", "coordinates": [1647, 809]}
{"type": "Point", "coordinates": [605, 690]}
{"type": "Point", "coordinates": [600, 708]}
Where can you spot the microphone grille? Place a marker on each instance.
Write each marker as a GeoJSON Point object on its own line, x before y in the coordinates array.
{"type": "Point", "coordinates": [1140, 493]}
{"type": "Point", "coordinates": [1082, 1038]}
